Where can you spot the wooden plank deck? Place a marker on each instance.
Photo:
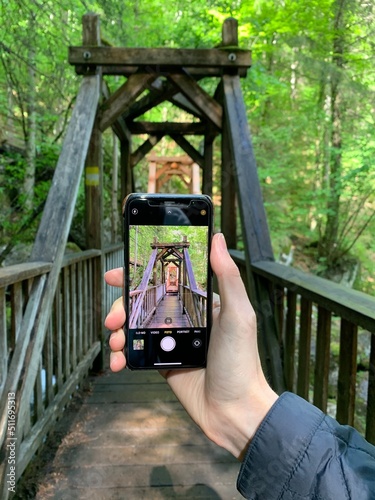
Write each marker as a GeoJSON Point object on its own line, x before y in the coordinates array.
{"type": "Point", "coordinates": [168, 314]}
{"type": "Point", "coordinates": [131, 439]}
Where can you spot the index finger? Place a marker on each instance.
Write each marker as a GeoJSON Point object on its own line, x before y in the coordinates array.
{"type": "Point", "coordinates": [115, 277]}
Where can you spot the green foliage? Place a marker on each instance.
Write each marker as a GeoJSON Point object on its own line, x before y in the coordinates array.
{"type": "Point", "coordinates": [287, 95]}
{"type": "Point", "coordinates": [141, 238]}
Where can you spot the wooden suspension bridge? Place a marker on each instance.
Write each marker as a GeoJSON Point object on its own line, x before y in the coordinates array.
{"type": "Point", "coordinates": [177, 296]}
{"type": "Point", "coordinates": [53, 306]}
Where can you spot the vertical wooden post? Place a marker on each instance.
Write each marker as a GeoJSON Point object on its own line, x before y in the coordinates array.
{"type": "Point", "coordinates": [346, 384]}
{"type": "Point", "coordinates": [228, 190]}
{"type": "Point", "coordinates": [127, 184]}
{"type": "Point", "coordinates": [151, 177]}
{"type": "Point", "coordinates": [94, 195]}
{"type": "Point", "coordinates": [230, 32]}
{"type": "Point", "coordinates": [370, 421]}
{"type": "Point", "coordinates": [208, 161]}
{"type": "Point", "coordinates": [255, 232]}
{"type": "Point", "coordinates": [228, 187]}
{"type": "Point", "coordinates": [323, 338]}
{"type": "Point", "coordinates": [195, 184]}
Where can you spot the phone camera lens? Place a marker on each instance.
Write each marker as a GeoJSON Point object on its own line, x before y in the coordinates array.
{"type": "Point", "coordinates": [134, 211]}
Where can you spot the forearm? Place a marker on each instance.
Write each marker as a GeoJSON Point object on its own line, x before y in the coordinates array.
{"type": "Point", "coordinates": [299, 451]}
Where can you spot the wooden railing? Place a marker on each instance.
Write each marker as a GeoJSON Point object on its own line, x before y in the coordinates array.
{"type": "Point", "coordinates": [113, 258]}
{"type": "Point", "coordinates": [320, 325]}
{"type": "Point", "coordinates": [71, 345]}
{"type": "Point", "coordinates": [195, 304]}
{"type": "Point", "coordinates": [150, 300]}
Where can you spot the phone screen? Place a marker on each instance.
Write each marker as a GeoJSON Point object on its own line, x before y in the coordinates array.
{"type": "Point", "coordinates": [167, 280]}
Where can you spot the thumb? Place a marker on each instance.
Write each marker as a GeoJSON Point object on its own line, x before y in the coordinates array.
{"type": "Point", "coordinates": [232, 290]}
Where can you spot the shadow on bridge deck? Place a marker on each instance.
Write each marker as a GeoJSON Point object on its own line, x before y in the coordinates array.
{"type": "Point", "coordinates": [131, 439]}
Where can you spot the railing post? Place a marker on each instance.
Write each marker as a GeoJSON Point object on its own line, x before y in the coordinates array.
{"type": "Point", "coordinates": [323, 338]}
{"type": "Point", "coordinates": [370, 420]}
{"type": "Point", "coordinates": [94, 196]}
{"type": "Point", "coordinates": [347, 373]}
{"type": "Point", "coordinates": [303, 381]}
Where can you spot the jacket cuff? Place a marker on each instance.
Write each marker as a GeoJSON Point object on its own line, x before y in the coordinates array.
{"type": "Point", "coordinates": [278, 447]}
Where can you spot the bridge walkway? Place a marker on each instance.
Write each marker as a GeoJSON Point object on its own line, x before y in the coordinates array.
{"type": "Point", "coordinates": [131, 439]}
{"type": "Point", "coordinates": [169, 314]}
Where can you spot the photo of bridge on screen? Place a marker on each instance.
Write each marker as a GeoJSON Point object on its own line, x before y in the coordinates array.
{"type": "Point", "coordinates": [168, 273]}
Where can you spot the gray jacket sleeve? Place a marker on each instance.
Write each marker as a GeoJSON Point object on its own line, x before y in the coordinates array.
{"type": "Point", "coordinates": [299, 452]}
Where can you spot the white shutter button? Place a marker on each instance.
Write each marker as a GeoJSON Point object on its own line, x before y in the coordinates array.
{"type": "Point", "coordinates": [168, 343]}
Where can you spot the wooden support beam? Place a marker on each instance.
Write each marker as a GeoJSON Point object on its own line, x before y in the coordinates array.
{"type": "Point", "coordinates": [208, 164]}
{"type": "Point", "coordinates": [94, 229]}
{"type": "Point", "coordinates": [183, 159]}
{"type": "Point", "coordinates": [199, 98]}
{"type": "Point", "coordinates": [49, 246]}
{"type": "Point", "coordinates": [196, 73]}
{"type": "Point", "coordinates": [121, 130]}
{"type": "Point", "coordinates": [123, 98]}
{"type": "Point", "coordinates": [151, 177]}
{"type": "Point", "coordinates": [161, 60]}
{"type": "Point", "coordinates": [195, 176]}
{"type": "Point", "coordinates": [181, 102]}
{"type": "Point", "coordinates": [228, 189]}
{"type": "Point", "coordinates": [255, 231]}
{"type": "Point", "coordinates": [229, 34]}
{"type": "Point", "coordinates": [160, 92]}
{"type": "Point", "coordinates": [188, 148]}
{"type": "Point", "coordinates": [167, 128]}
{"type": "Point", "coordinates": [143, 149]}
{"type": "Point", "coordinates": [149, 101]}
{"type": "Point", "coordinates": [127, 180]}
{"type": "Point", "coordinates": [94, 197]}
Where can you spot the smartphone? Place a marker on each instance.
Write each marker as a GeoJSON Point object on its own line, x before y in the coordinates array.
{"type": "Point", "coordinates": [168, 280]}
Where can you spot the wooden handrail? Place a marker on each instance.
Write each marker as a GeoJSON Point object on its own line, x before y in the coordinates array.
{"type": "Point", "coordinates": [354, 306]}
{"type": "Point", "coordinates": [323, 306]}
{"type": "Point", "coordinates": [21, 272]}
{"type": "Point", "coordinates": [350, 304]}
{"type": "Point", "coordinates": [70, 346]}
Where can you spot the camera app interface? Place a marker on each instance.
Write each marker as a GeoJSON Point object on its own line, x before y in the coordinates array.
{"type": "Point", "coordinates": [167, 273]}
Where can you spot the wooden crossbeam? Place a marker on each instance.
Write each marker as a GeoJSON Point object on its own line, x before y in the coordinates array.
{"type": "Point", "coordinates": [143, 288]}
{"type": "Point", "coordinates": [183, 103]}
{"type": "Point", "coordinates": [197, 73]}
{"type": "Point", "coordinates": [144, 148]}
{"type": "Point", "coordinates": [168, 128]}
{"type": "Point", "coordinates": [199, 98]}
{"type": "Point", "coordinates": [184, 159]}
{"type": "Point", "coordinates": [165, 91]}
{"type": "Point", "coordinates": [188, 148]}
{"type": "Point", "coordinates": [155, 97]}
{"type": "Point", "coordinates": [150, 59]}
{"type": "Point", "coordinates": [123, 98]}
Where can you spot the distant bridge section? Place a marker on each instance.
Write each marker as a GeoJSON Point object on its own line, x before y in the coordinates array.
{"type": "Point", "coordinates": [174, 293]}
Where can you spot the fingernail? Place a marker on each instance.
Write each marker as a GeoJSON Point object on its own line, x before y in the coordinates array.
{"type": "Point", "coordinates": [221, 242]}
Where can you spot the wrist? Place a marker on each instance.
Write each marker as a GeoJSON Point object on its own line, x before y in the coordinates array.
{"type": "Point", "coordinates": [239, 423]}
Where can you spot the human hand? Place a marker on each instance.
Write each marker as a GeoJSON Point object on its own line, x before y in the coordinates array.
{"type": "Point", "coordinates": [230, 397]}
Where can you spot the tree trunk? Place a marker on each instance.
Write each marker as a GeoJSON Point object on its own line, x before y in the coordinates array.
{"type": "Point", "coordinates": [329, 249]}
{"type": "Point", "coordinates": [29, 179]}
